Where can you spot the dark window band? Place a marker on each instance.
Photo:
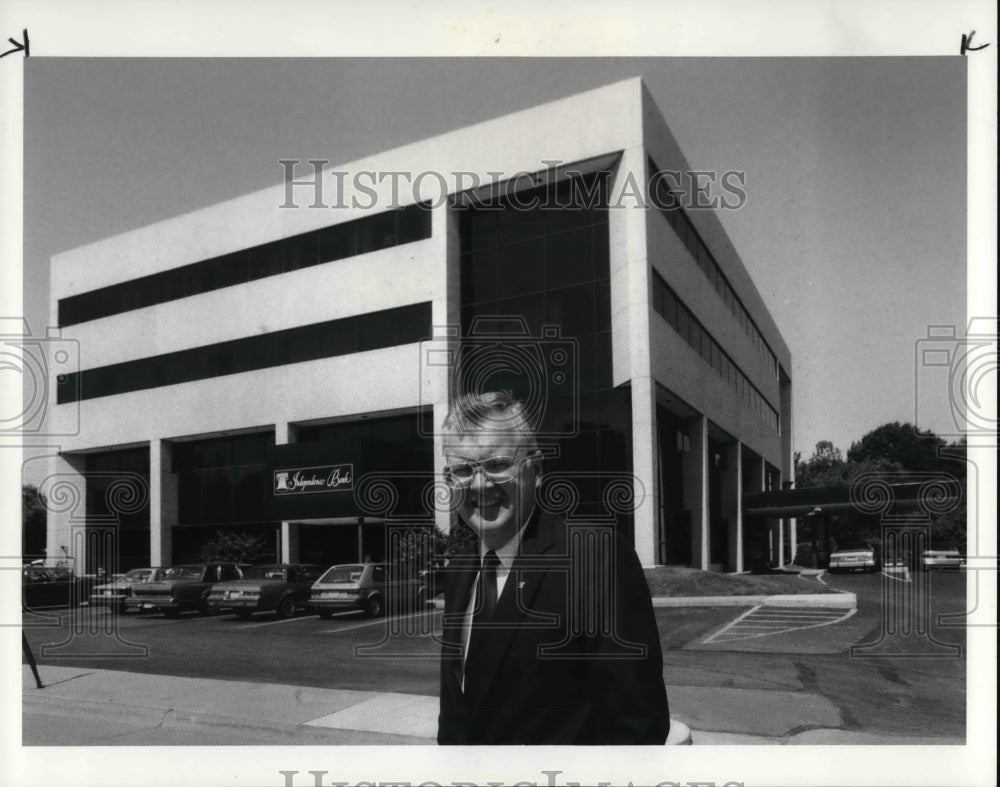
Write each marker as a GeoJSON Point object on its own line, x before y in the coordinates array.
{"type": "Point", "coordinates": [679, 317]}
{"type": "Point", "coordinates": [372, 331]}
{"type": "Point", "coordinates": [371, 233]}
{"type": "Point", "coordinates": [670, 208]}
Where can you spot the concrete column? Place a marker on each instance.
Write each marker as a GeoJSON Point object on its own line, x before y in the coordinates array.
{"type": "Point", "coordinates": [630, 347]}
{"type": "Point", "coordinates": [163, 503]}
{"type": "Point", "coordinates": [285, 433]}
{"type": "Point", "coordinates": [793, 537]}
{"type": "Point", "coordinates": [755, 483]}
{"type": "Point", "coordinates": [781, 542]}
{"type": "Point", "coordinates": [645, 468]}
{"type": "Point", "coordinates": [787, 461]}
{"type": "Point", "coordinates": [437, 355]}
{"type": "Point", "coordinates": [732, 502]}
{"type": "Point", "coordinates": [65, 492]}
{"type": "Point", "coordinates": [695, 469]}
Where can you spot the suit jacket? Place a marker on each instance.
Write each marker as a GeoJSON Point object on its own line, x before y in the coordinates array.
{"type": "Point", "coordinates": [573, 653]}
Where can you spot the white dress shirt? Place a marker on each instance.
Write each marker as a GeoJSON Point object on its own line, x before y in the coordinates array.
{"type": "Point", "coordinates": [506, 555]}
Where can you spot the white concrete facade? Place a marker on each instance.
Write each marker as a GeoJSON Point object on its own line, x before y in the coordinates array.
{"type": "Point", "coordinates": [647, 355]}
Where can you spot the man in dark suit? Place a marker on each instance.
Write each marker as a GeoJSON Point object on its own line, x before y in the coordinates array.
{"type": "Point", "coordinates": [549, 633]}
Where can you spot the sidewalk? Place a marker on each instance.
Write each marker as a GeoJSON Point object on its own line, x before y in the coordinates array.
{"type": "Point", "coordinates": [104, 707]}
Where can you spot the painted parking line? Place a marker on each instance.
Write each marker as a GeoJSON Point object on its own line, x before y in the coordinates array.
{"type": "Point", "coordinates": [377, 621]}
{"type": "Point", "coordinates": [280, 621]}
{"type": "Point", "coordinates": [760, 622]}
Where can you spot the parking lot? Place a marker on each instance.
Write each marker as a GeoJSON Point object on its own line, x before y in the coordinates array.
{"type": "Point", "coordinates": [867, 678]}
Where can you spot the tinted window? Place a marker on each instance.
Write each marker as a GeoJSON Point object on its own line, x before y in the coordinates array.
{"type": "Point", "coordinates": [379, 231]}
{"type": "Point", "coordinates": [403, 325]}
{"type": "Point", "coordinates": [350, 573]}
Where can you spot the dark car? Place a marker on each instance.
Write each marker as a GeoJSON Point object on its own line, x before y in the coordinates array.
{"type": "Point", "coordinates": [43, 586]}
{"type": "Point", "coordinates": [113, 594]}
{"type": "Point", "coordinates": [182, 588]}
{"type": "Point", "coordinates": [280, 588]}
{"type": "Point", "coordinates": [369, 587]}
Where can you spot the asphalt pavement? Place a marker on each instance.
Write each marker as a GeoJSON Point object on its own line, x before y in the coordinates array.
{"type": "Point", "coordinates": [733, 676]}
{"type": "Point", "coordinates": [86, 706]}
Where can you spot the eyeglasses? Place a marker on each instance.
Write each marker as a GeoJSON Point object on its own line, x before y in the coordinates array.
{"type": "Point", "coordinates": [496, 469]}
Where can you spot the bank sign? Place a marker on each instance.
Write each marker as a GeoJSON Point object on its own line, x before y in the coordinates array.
{"type": "Point", "coordinates": [311, 480]}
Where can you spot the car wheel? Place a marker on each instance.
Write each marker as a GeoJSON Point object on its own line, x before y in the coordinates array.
{"type": "Point", "coordinates": [171, 613]}
{"type": "Point", "coordinates": [326, 614]}
{"type": "Point", "coordinates": [374, 606]}
{"type": "Point", "coordinates": [286, 609]}
{"type": "Point", "coordinates": [204, 608]}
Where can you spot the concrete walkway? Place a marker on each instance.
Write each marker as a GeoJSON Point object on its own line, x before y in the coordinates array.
{"type": "Point", "coordinates": [104, 707]}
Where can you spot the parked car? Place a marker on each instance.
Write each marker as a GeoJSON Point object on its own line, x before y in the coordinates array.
{"type": "Point", "coordinates": [932, 559]}
{"type": "Point", "coordinates": [369, 587]}
{"type": "Point", "coordinates": [182, 588]}
{"type": "Point", "coordinates": [280, 588]}
{"type": "Point", "coordinates": [114, 593]}
{"type": "Point", "coordinates": [44, 586]}
{"type": "Point", "coordinates": [854, 558]}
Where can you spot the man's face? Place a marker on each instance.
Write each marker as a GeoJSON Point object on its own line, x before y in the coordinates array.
{"type": "Point", "coordinates": [494, 509]}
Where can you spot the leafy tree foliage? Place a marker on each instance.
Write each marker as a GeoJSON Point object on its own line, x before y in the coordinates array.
{"type": "Point", "coordinates": [227, 546]}
{"type": "Point", "coordinates": [904, 444]}
{"type": "Point", "coordinates": [899, 449]}
{"type": "Point", "coordinates": [826, 459]}
{"type": "Point", "coordinates": [33, 521]}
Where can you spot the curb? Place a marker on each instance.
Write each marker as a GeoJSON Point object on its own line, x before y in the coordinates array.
{"type": "Point", "coordinates": [804, 600]}
{"type": "Point", "coordinates": [841, 600]}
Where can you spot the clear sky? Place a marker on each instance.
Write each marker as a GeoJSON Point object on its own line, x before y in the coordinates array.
{"type": "Point", "coordinates": [853, 230]}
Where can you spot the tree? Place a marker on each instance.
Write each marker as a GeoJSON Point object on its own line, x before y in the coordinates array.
{"type": "Point", "coordinates": [825, 459]}
{"type": "Point", "coordinates": [227, 546]}
{"type": "Point", "coordinates": [34, 518]}
{"type": "Point", "coordinates": [904, 444]}
{"type": "Point", "coordinates": [895, 450]}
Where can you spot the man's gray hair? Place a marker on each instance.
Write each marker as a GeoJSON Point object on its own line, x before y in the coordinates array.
{"type": "Point", "coordinates": [496, 411]}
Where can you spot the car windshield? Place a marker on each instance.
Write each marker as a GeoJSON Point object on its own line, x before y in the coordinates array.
{"type": "Point", "coordinates": [343, 574]}
{"type": "Point", "coordinates": [264, 572]}
{"type": "Point", "coordinates": [138, 575]}
{"type": "Point", "coordinates": [184, 572]}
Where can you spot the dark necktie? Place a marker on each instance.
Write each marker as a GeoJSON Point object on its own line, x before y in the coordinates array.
{"type": "Point", "coordinates": [486, 603]}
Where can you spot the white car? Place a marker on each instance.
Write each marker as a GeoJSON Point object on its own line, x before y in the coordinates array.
{"type": "Point", "coordinates": [942, 558]}
{"type": "Point", "coordinates": [370, 587]}
{"type": "Point", "coordinates": [856, 558]}
{"type": "Point", "coordinates": [114, 593]}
